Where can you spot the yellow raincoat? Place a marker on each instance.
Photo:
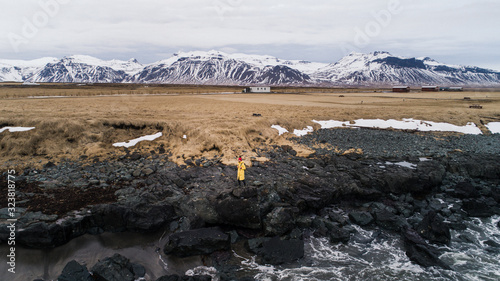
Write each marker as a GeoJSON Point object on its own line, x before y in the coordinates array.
{"type": "Point", "coordinates": [241, 170]}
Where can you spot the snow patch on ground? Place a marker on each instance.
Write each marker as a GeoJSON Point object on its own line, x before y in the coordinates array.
{"type": "Point", "coordinates": [280, 129]}
{"type": "Point", "coordinates": [298, 133]}
{"type": "Point", "coordinates": [16, 129]}
{"type": "Point", "coordinates": [332, 124]}
{"type": "Point", "coordinates": [403, 164]}
{"type": "Point", "coordinates": [405, 124]}
{"type": "Point", "coordinates": [494, 127]}
{"type": "Point", "coordinates": [136, 141]}
{"type": "Point", "coordinates": [303, 132]}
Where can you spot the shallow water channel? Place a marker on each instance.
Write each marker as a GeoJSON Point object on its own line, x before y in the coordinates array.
{"type": "Point", "coordinates": [144, 249]}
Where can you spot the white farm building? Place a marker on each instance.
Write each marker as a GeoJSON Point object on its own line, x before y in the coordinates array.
{"type": "Point", "coordinates": [257, 90]}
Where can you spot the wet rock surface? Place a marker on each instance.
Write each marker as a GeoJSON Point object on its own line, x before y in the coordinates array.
{"type": "Point", "coordinates": [420, 252]}
{"type": "Point", "coordinates": [184, 278]}
{"type": "Point", "coordinates": [434, 228]}
{"type": "Point", "coordinates": [117, 268]}
{"type": "Point", "coordinates": [418, 186]}
{"type": "Point", "coordinates": [74, 271]}
{"type": "Point", "coordinates": [277, 251]}
{"type": "Point", "coordinates": [202, 241]}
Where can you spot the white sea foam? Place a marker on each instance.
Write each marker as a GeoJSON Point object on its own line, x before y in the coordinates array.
{"type": "Point", "coordinates": [377, 259]}
{"type": "Point", "coordinates": [250, 263]}
{"type": "Point", "coordinates": [382, 257]}
{"type": "Point", "coordinates": [472, 258]}
{"type": "Point", "coordinates": [203, 270]}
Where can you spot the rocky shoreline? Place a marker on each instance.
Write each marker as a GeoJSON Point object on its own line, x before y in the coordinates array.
{"type": "Point", "coordinates": [417, 185]}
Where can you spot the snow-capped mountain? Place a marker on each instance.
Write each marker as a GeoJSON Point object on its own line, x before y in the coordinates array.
{"type": "Point", "coordinates": [260, 61]}
{"type": "Point", "coordinates": [130, 67]}
{"type": "Point", "coordinates": [85, 69]}
{"type": "Point", "coordinates": [218, 68]}
{"type": "Point", "coordinates": [20, 70]}
{"type": "Point", "coordinates": [382, 68]}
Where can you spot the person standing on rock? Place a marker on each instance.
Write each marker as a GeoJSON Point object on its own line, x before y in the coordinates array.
{"type": "Point", "coordinates": [241, 172]}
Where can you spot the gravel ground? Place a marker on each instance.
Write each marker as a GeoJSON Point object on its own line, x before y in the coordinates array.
{"type": "Point", "coordinates": [397, 144]}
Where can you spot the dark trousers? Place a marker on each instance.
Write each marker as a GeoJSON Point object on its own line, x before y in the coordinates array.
{"type": "Point", "coordinates": [242, 181]}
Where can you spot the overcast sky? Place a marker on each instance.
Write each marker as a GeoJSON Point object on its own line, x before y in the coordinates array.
{"type": "Point", "coordinates": [457, 32]}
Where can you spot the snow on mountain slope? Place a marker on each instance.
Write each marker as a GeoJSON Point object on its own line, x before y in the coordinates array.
{"type": "Point", "coordinates": [260, 61]}
{"type": "Point", "coordinates": [130, 67]}
{"type": "Point", "coordinates": [85, 69]}
{"type": "Point", "coordinates": [20, 70]}
{"type": "Point", "coordinates": [218, 68]}
{"type": "Point", "coordinates": [303, 66]}
{"type": "Point", "coordinates": [382, 68]}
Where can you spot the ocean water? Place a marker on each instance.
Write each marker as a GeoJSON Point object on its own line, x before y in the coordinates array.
{"type": "Point", "coordinates": [375, 255]}
{"type": "Point", "coordinates": [372, 254]}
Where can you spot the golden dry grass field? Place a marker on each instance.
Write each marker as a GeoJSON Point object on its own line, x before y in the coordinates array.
{"type": "Point", "coordinates": [88, 121]}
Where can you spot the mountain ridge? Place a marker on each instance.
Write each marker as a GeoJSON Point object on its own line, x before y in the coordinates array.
{"type": "Point", "coordinates": [378, 68]}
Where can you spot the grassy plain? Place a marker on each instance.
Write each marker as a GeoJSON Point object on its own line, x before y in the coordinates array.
{"type": "Point", "coordinates": [76, 120]}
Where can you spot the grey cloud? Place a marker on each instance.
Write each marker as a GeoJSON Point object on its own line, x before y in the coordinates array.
{"type": "Point", "coordinates": [292, 28]}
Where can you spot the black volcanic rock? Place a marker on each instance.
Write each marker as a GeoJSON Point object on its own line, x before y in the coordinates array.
{"type": "Point", "coordinates": [117, 268]}
{"type": "Point", "coordinates": [481, 207]}
{"type": "Point", "coordinates": [314, 192]}
{"type": "Point", "coordinates": [419, 251]}
{"type": "Point", "coordinates": [280, 221]}
{"type": "Point", "coordinates": [175, 277]}
{"type": "Point", "coordinates": [295, 197]}
{"type": "Point", "coordinates": [239, 212]}
{"type": "Point", "coordinates": [338, 234]}
{"type": "Point", "coordinates": [43, 235]}
{"type": "Point", "coordinates": [276, 251]}
{"type": "Point", "coordinates": [201, 241]}
{"type": "Point", "coordinates": [361, 218]}
{"type": "Point", "coordinates": [434, 228]}
{"type": "Point", "coordinates": [389, 220]}
{"type": "Point", "coordinates": [465, 190]}
{"type": "Point", "coordinates": [74, 271]}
